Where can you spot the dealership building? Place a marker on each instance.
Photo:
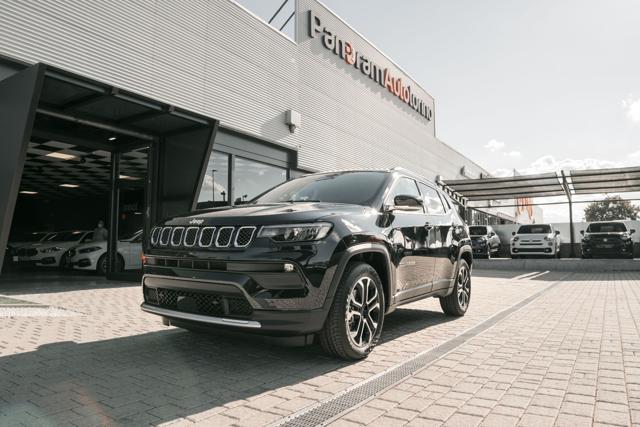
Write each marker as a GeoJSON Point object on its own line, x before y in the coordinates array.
{"type": "Point", "coordinates": [134, 111]}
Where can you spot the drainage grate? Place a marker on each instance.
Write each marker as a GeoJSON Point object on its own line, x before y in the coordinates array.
{"type": "Point", "coordinates": [328, 410]}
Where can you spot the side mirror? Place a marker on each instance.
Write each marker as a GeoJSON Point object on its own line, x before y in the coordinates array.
{"type": "Point", "coordinates": [582, 232]}
{"type": "Point", "coordinates": [557, 232]}
{"type": "Point", "coordinates": [513, 233]}
{"type": "Point", "coordinates": [407, 202]}
{"type": "Point", "coordinates": [493, 233]}
{"type": "Point", "coordinates": [633, 230]}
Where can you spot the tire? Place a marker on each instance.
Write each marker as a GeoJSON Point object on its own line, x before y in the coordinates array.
{"type": "Point", "coordinates": [337, 337]}
{"type": "Point", "coordinates": [457, 303]}
{"type": "Point", "coordinates": [103, 265]}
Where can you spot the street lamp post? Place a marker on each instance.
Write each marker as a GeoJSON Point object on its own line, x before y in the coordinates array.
{"type": "Point", "coordinates": [213, 186]}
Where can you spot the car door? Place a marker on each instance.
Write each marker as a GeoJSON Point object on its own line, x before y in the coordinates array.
{"type": "Point", "coordinates": [440, 221]}
{"type": "Point", "coordinates": [409, 238]}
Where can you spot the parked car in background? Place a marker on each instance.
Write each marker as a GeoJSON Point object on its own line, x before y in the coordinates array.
{"type": "Point", "coordinates": [535, 240]}
{"type": "Point", "coordinates": [53, 251]}
{"type": "Point", "coordinates": [484, 240]}
{"type": "Point", "coordinates": [93, 255]}
{"type": "Point", "coordinates": [326, 255]}
{"type": "Point", "coordinates": [607, 239]}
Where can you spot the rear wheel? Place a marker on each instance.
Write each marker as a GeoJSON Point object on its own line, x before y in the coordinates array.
{"type": "Point", "coordinates": [457, 303]}
{"type": "Point", "coordinates": [354, 323]}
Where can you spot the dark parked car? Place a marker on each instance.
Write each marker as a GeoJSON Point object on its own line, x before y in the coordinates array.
{"type": "Point", "coordinates": [484, 240]}
{"type": "Point", "coordinates": [607, 239]}
{"type": "Point", "coordinates": [326, 255]}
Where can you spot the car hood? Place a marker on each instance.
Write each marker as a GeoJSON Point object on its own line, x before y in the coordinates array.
{"type": "Point", "coordinates": [277, 213]}
{"type": "Point", "coordinates": [532, 236]}
{"type": "Point", "coordinates": [102, 244]}
{"type": "Point", "coordinates": [46, 245]}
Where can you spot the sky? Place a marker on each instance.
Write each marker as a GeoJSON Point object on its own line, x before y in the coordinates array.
{"type": "Point", "coordinates": [538, 86]}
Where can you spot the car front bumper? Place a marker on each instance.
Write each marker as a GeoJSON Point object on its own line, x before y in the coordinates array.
{"type": "Point", "coordinates": [610, 251]}
{"type": "Point", "coordinates": [223, 302]}
{"type": "Point", "coordinates": [539, 250]}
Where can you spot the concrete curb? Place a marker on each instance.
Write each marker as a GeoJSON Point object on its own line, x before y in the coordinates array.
{"type": "Point", "coordinates": [570, 264]}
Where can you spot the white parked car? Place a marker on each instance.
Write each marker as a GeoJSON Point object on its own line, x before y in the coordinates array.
{"type": "Point", "coordinates": [535, 239]}
{"type": "Point", "coordinates": [52, 251]}
{"type": "Point", "coordinates": [93, 255]}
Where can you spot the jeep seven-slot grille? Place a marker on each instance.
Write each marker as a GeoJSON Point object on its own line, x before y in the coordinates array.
{"type": "Point", "coordinates": [209, 304]}
{"type": "Point", "coordinates": [203, 237]}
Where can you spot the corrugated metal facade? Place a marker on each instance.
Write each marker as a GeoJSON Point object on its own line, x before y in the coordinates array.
{"type": "Point", "coordinates": [217, 59]}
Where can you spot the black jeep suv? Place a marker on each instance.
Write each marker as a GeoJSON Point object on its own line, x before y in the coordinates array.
{"type": "Point", "coordinates": [607, 239]}
{"type": "Point", "coordinates": [326, 255]}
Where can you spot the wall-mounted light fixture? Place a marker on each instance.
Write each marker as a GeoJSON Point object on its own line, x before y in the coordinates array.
{"type": "Point", "coordinates": [293, 119]}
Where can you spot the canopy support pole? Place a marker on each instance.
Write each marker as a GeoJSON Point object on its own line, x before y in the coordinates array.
{"type": "Point", "coordinates": [567, 191]}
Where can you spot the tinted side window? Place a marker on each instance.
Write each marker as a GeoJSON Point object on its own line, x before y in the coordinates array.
{"type": "Point", "coordinates": [404, 186]}
{"type": "Point", "coordinates": [431, 200]}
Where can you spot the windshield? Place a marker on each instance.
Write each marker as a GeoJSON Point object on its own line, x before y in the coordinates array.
{"type": "Point", "coordinates": [607, 227]}
{"type": "Point", "coordinates": [31, 237]}
{"type": "Point", "coordinates": [66, 236]}
{"type": "Point", "coordinates": [477, 231]}
{"type": "Point", "coordinates": [535, 229]}
{"type": "Point", "coordinates": [358, 188]}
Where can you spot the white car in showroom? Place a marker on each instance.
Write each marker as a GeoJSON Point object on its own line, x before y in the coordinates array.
{"type": "Point", "coordinates": [93, 255]}
{"type": "Point", "coordinates": [52, 252]}
{"type": "Point", "coordinates": [535, 239]}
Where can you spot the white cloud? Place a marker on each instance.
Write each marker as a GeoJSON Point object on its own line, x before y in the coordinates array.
{"type": "Point", "coordinates": [632, 108]}
{"type": "Point", "coordinates": [550, 164]}
{"type": "Point", "coordinates": [494, 145]}
{"type": "Point", "coordinates": [635, 157]}
{"type": "Point", "coordinates": [513, 154]}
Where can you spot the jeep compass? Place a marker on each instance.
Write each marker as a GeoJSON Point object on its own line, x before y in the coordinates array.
{"type": "Point", "coordinates": [327, 255]}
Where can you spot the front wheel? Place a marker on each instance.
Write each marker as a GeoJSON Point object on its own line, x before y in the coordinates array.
{"type": "Point", "coordinates": [354, 323]}
{"type": "Point", "coordinates": [457, 303]}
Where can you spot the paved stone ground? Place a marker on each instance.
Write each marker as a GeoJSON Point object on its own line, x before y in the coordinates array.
{"type": "Point", "coordinates": [571, 356]}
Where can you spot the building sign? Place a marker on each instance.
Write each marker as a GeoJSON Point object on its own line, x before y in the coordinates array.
{"type": "Point", "coordinates": [383, 76]}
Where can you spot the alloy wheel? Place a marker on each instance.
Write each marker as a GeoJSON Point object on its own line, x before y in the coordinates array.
{"type": "Point", "coordinates": [463, 286]}
{"type": "Point", "coordinates": [363, 312]}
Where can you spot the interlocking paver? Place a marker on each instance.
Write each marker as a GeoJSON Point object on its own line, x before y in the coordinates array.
{"type": "Point", "coordinates": [563, 361]}
{"type": "Point", "coordinates": [558, 361]}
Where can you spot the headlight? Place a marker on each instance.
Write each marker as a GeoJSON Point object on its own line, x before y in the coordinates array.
{"type": "Point", "coordinates": [91, 249]}
{"type": "Point", "coordinates": [548, 237]}
{"type": "Point", "coordinates": [51, 249]}
{"type": "Point", "coordinates": [515, 239]}
{"type": "Point", "coordinates": [586, 238]}
{"type": "Point", "coordinates": [296, 232]}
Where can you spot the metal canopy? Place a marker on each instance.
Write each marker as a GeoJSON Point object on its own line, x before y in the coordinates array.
{"type": "Point", "coordinates": [541, 185]}
{"type": "Point", "coordinates": [618, 180]}
{"type": "Point", "coordinates": [594, 181]}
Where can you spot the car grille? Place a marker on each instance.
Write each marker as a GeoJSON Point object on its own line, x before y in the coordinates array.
{"type": "Point", "coordinates": [203, 237]}
{"type": "Point", "coordinates": [210, 304]}
{"type": "Point", "coordinates": [27, 252]}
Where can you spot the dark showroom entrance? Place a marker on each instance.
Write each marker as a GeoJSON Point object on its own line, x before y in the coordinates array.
{"type": "Point", "coordinates": [75, 153]}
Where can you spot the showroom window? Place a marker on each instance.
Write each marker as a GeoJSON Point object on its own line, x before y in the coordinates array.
{"type": "Point", "coordinates": [252, 178]}
{"type": "Point", "coordinates": [241, 168]}
{"type": "Point", "coordinates": [215, 186]}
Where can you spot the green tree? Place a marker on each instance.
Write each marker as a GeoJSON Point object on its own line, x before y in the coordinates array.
{"type": "Point", "coordinates": [612, 208]}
